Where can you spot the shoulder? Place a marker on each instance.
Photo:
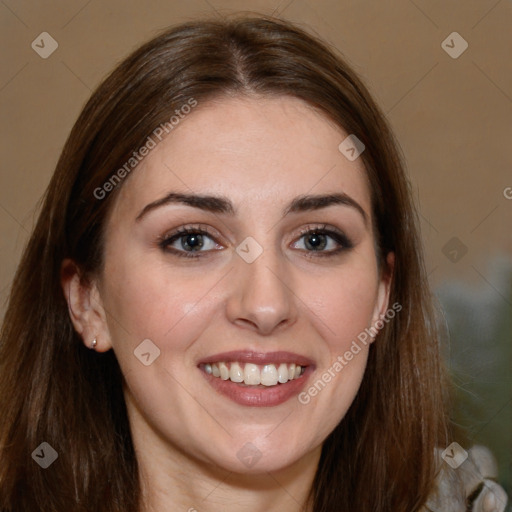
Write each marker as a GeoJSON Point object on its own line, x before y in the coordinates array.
{"type": "Point", "coordinates": [466, 482]}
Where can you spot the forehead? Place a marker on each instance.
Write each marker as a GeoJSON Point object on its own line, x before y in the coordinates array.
{"type": "Point", "coordinates": [252, 150]}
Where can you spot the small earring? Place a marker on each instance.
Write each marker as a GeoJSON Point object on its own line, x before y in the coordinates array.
{"type": "Point", "coordinates": [93, 344]}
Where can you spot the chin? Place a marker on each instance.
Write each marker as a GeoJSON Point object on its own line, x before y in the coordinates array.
{"type": "Point", "coordinates": [260, 455]}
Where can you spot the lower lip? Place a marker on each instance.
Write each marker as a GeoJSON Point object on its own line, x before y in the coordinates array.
{"type": "Point", "coordinates": [259, 396]}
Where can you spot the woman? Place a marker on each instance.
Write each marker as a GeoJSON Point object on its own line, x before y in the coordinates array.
{"type": "Point", "coordinates": [223, 304]}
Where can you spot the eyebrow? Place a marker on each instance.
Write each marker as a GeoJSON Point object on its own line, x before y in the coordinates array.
{"type": "Point", "coordinates": [219, 204]}
{"type": "Point", "coordinates": [214, 204]}
{"type": "Point", "coordinates": [316, 202]}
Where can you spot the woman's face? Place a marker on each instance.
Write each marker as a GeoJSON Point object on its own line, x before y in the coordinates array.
{"type": "Point", "coordinates": [246, 293]}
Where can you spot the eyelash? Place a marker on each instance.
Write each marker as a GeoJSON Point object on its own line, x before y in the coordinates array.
{"type": "Point", "coordinates": [340, 238]}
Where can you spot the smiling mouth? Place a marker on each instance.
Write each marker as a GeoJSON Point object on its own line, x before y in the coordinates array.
{"type": "Point", "coordinates": [254, 375]}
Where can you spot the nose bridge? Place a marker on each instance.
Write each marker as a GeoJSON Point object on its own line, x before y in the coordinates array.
{"type": "Point", "coordinates": [261, 297]}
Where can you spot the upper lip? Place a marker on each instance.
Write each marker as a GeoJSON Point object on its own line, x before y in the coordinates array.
{"type": "Point", "coordinates": [261, 358]}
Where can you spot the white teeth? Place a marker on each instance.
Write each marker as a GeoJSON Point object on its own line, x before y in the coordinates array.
{"type": "Point", "coordinates": [282, 373]}
{"type": "Point", "coordinates": [236, 374]}
{"type": "Point", "coordinates": [224, 371]}
{"type": "Point", "coordinates": [269, 375]}
{"type": "Point", "coordinates": [253, 375]}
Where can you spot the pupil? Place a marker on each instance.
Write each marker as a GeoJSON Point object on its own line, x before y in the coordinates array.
{"type": "Point", "coordinates": [192, 242]}
{"type": "Point", "coordinates": [315, 241]}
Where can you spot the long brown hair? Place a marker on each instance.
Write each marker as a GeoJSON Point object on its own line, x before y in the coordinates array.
{"type": "Point", "coordinates": [54, 390]}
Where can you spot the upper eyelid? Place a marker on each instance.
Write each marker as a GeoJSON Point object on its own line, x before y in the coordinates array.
{"type": "Point", "coordinates": [206, 229]}
{"type": "Point", "coordinates": [192, 228]}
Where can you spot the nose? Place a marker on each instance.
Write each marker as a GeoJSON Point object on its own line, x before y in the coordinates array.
{"type": "Point", "coordinates": [261, 295]}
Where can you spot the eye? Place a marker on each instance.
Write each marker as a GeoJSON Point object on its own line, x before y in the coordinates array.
{"type": "Point", "coordinates": [322, 240]}
{"type": "Point", "coordinates": [189, 240]}
{"type": "Point", "coordinates": [318, 241]}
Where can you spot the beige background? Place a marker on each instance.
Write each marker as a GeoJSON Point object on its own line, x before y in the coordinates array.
{"type": "Point", "coordinates": [451, 116]}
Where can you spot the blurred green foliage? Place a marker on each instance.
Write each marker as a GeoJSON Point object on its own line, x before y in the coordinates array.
{"type": "Point", "coordinates": [479, 357]}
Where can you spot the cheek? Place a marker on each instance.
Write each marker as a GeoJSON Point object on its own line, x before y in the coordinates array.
{"type": "Point", "coordinates": [345, 301]}
{"type": "Point", "coordinates": [149, 301]}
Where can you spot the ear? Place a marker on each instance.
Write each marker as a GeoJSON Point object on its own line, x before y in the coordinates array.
{"type": "Point", "coordinates": [382, 302]}
{"type": "Point", "coordinates": [85, 307]}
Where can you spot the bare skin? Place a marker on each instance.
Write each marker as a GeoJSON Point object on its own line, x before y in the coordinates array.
{"type": "Point", "coordinates": [260, 154]}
